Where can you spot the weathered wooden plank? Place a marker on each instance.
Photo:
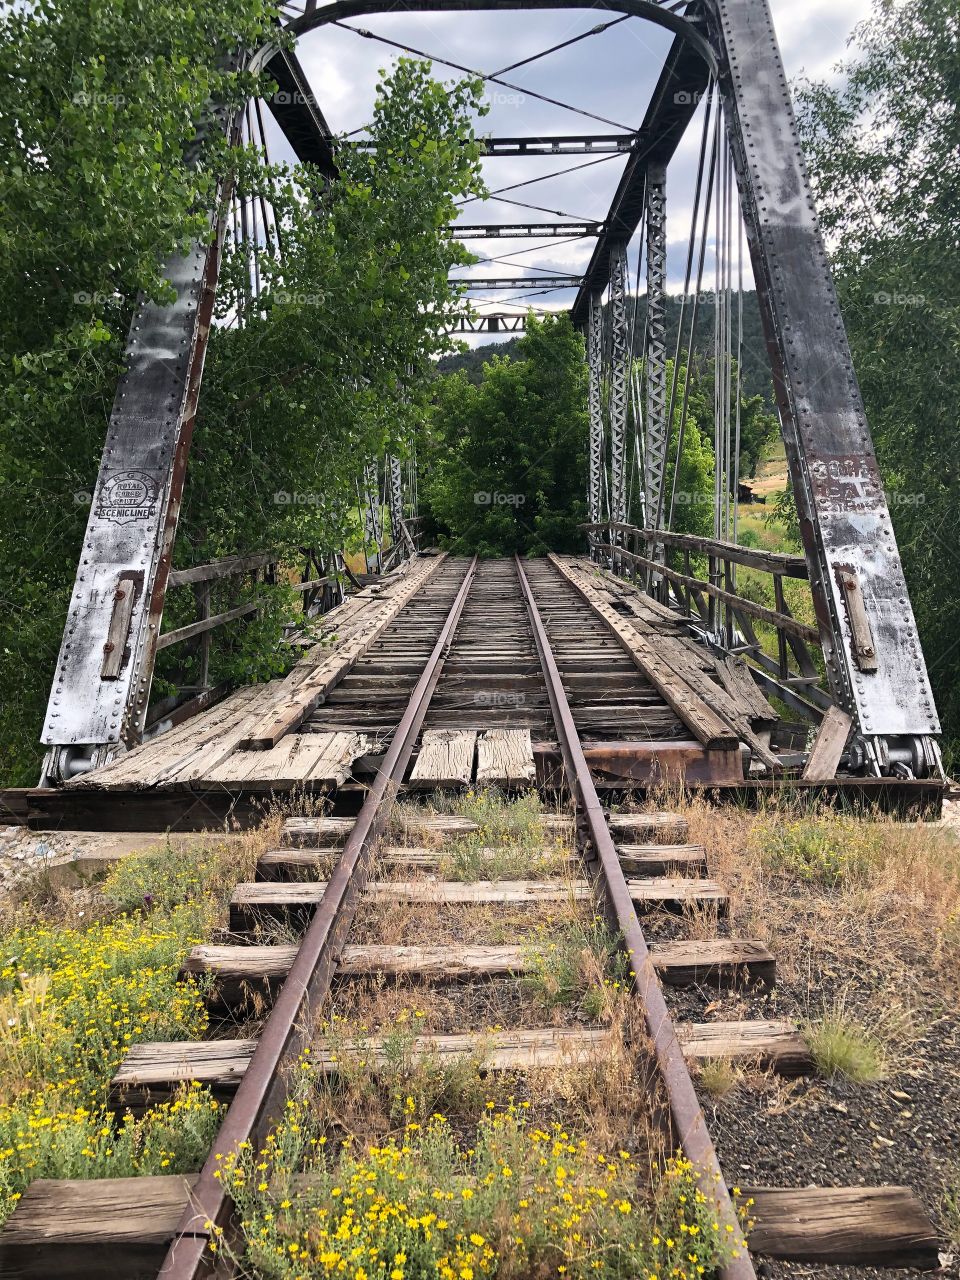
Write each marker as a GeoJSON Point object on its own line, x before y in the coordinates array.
{"type": "Point", "coordinates": [159, 1074]}
{"type": "Point", "coordinates": [152, 1072]}
{"type": "Point", "coordinates": [441, 962]}
{"type": "Point", "coordinates": [317, 833]}
{"type": "Point", "coordinates": [505, 758]}
{"type": "Point", "coordinates": [672, 892]}
{"type": "Point", "coordinates": [843, 1226]}
{"type": "Point", "coordinates": [143, 765]}
{"type": "Point", "coordinates": [775, 1045]}
{"type": "Point", "coordinates": [702, 720]}
{"type": "Point", "coordinates": [714, 961]}
{"type": "Point", "coordinates": [280, 863]}
{"type": "Point", "coordinates": [663, 859]}
{"type": "Point", "coordinates": [323, 833]}
{"type": "Point", "coordinates": [322, 758]}
{"type": "Point", "coordinates": [828, 747]}
{"type": "Point", "coordinates": [245, 973]}
{"type": "Point", "coordinates": [298, 694]}
{"type": "Point", "coordinates": [279, 898]}
{"type": "Point", "coordinates": [91, 1228]}
{"type": "Point", "coordinates": [445, 759]}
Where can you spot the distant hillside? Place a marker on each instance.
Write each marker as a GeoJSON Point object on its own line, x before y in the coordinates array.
{"type": "Point", "coordinates": [756, 367]}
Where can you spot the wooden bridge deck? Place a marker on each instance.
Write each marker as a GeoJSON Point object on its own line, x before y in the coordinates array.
{"type": "Point", "coordinates": [649, 700]}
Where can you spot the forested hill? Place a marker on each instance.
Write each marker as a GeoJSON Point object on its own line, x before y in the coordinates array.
{"type": "Point", "coordinates": [756, 368]}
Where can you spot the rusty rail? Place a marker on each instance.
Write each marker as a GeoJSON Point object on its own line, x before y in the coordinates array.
{"type": "Point", "coordinates": [689, 1126]}
{"type": "Point", "coordinates": [262, 1091]}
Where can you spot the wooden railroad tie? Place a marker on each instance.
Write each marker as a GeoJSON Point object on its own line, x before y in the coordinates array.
{"type": "Point", "coordinates": [151, 1073]}
{"type": "Point", "coordinates": [84, 1230]}
{"type": "Point", "coordinates": [241, 973]}
{"type": "Point", "coordinates": [272, 899]}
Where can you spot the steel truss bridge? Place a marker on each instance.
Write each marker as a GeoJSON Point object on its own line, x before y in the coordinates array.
{"type": "Point", "coordinates": [723, 76]}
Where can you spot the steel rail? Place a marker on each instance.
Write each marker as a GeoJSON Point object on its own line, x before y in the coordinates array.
{"type": "Point", "coordinates": [689, 1125]}
{"type": "Point", "coordinates": [262, 1091]}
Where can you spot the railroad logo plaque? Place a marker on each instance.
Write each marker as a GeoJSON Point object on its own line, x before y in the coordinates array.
{"type": "Point", "coordinates": [127, 497]}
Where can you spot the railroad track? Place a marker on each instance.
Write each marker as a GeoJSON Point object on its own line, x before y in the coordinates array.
{"type": "Point", "coordinates": [487, 654]}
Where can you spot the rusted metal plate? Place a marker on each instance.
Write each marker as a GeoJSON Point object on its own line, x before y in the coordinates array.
{"type": "Point", "coordinates": [845, 519]}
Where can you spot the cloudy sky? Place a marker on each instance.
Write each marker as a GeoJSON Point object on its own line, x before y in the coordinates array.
{"type": "Point", "coordinates": [609, 75]}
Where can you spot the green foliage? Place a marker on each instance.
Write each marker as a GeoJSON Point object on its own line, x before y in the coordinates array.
{"type": "Point", "coordinates": [884, 152]}
{"type": "Point", "coordinates": [827, 852]}
{"type": "Point", "coordinates": [517, 1201]}
{"type": "Point", "coordinates": [842, 1047]}
{"type": "Point", "coordinates": [169, 877]}
{"type": "Point", "coordinates": [507, 461]}
{"type": "Point", "coordinates": [72, 1001]}
{"type": "Point", "coordinates": [98, 110]}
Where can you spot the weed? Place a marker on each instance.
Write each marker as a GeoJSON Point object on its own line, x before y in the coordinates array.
{"type": "Point", "coordinates": [719, 1077]}
{"type": "Point", "coordinates": [841, 1046]}
{"type": "Point", "coordinates": [826, 853]}
{"type": "Point", "coordinates": [579, 962]}
{"type": "Point", "coordinates": [517, 1201]}
{"type": "Point", "coordinates": [169, 876]}
{"type": "Point", "coordinates": [951, 1210]}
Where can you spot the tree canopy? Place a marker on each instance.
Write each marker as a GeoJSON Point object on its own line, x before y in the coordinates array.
{"type": "Point", "coordinates": [101, 178]}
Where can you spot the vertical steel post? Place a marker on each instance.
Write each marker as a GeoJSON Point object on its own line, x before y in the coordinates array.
{"type": "Point", "coordinates": [101, 685]}
{"type": "Point", "coordinates": [373, 521]}
{"type": "Point", "coordinates": [619, 376]}
{"type": "Point", "coordinates": [595, 402]}
{"type": "Point", "coordinates": [656, 431]}
{"type": "Point", "coordinates": [395, 496]}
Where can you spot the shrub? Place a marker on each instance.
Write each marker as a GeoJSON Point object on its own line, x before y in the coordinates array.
{"type": "Point", "coordinates": [518, 1201]}
{"type": "Point", "coordinates": [826, 852]}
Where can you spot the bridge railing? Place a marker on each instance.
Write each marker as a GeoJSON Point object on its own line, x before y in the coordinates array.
{"type": "Point", "coordinates": [698, 577]}
{"type": "Point", "coordinates": [319, 589]}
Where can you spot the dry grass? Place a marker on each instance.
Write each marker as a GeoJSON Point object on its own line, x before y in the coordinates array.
{"type": "Point", "coordinates": [719, 1077]}
{"type": "Point", "coordinates": [826, 888]}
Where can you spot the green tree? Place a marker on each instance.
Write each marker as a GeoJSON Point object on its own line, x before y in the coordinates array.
{"type": "Point", "coordinates": [507, 469]}
{"type": "Point", "coordinates": [884, 153]}
{"type": "Point", "coordinates": [99, 106]}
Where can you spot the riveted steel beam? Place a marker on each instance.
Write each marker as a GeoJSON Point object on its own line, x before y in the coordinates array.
{"type": "Point", "coordinates": [595, 403]}
{"type": "Point", "coordinates": [525, 230]}
{"type": "Point", "coordinates": [870, 642]}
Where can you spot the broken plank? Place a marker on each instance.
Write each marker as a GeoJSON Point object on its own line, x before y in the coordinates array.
{"type": "Point", "coordinates": [828, 746]}
{"type": "Point", "coordinates": [322, 758]}
{"type": "Point", "coordinates": [445, 759]}
{"type": "Point", "coordinates": [776, 1045]}
{"type": "Point", "coordinates": [716, 961]}
{"type": "Point", "coordinates": [843, 1226]}
{"type": "Point", "coordinates": [505, 758]}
